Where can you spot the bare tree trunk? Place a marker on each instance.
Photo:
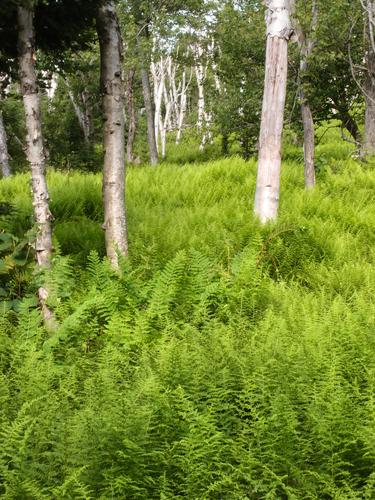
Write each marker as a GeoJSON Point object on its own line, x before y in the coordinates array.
{"type": "Point", "coordinates": [308, 143]}
{"type": "Point", "coordinates": [132, 116]}
{"type": "Point", "coordinates": [114, 132]}
{"type": "Point", "coordinates": [83, 115]}
{"type": "Point", "coordinates": [150, 114]}
{"type": "Point", "coordinates": [4, 156]}
{"type": "Point", "coordinates": [306, 48]}
{"type": "Point", "coordinates": [368, 146]}
{"type": "Point", "coordinates": [35, 150]}
{"type": "Point", "coordinates": [369, 137]}
{"type": "Point", "coordinates": [269, 164]}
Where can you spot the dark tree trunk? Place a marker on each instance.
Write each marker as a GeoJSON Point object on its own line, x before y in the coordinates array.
{"type": "Point", "coordinates": [114, 132]}
{"type": "Point", "coordinates": [350, 124]}
{"type": "Point", "coordinates": [225, 144]}
{"type": "Point", "coordinates": [35, 149]}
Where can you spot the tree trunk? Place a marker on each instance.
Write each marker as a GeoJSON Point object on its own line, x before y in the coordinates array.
{"type": "Point", "coordinates": [132, 116]}
{"type": "Point", "coordinates": [4, 156]}
{"type": "Point", "coordinates": [350, 124]}
{"type": "Point", "coordinates": [369, 138]}
{"type": "Point", "coordinates": [150, 114]}
{"type": "Point", "coordinates": [83, 115]}
{"type": "Point", "coordinates": [308, 143]}
{"type": "Point", "coordinates": [35, 150]}
{"type": "Point", "coordinates": [181, 109]}
{"type": "Point", "coordinates": [306, 47]}
{"type": "Point", "coordinates": [114, 132]}
{"type": "Point", "coordinates": [269, 164]}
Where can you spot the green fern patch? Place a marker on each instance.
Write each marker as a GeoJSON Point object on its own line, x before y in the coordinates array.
{"type": "Point", "coordinates": [223, 361]}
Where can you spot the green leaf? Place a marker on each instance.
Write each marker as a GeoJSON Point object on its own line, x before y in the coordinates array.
{"type": "Point", "coordinates": [6, 241]}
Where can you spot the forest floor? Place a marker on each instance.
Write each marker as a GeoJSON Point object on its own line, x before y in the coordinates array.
{"type": "Point", "coordinates": [226, 360]}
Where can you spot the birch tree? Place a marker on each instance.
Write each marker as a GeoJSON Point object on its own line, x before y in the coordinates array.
{"type": "Point", "coordinates": [114, 132]}
{"type": "Point", "coordinates": [82, 110]}
{"type": "Point", "coordinates": [279, 30]}
{"type": "Point", "coordinates": [131, 112]}
{"type": "Point", "coordinates": [4, 155]}
{"type": "Point", "coordinates": [35, 148]}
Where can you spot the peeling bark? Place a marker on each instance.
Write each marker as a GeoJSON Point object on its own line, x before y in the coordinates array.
{"type": "Point", "coordinates": [269, 163]}
{"type": "Point", "coordinates": [114, 132]}
{"type": "Point", "coordinates": [35, 150]}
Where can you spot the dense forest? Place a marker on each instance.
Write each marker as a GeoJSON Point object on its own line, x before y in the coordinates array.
{"type": "Point", "coordinates": [187, 249]}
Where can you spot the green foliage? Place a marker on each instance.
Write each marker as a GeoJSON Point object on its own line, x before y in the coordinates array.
{"type": "Point", "coordinates": [16, 263]}
{"type": "Point", "coordinates": [224, 360]}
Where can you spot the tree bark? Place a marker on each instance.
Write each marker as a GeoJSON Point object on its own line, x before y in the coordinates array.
{"type": "Point", "coordinates": [269, 163]}
{"type": "Point", "coordinates": [306, 47]}
{"type": "Point", "coordinates": [308, 143]}
{"type": "Point", "coordinates": [350, 124]}
{"type": "Point", "coordinates": [150, 115]}
{"type": "Point", "coordinates": [132, 116]}
{"type": "Point", "coordinates": [35, 150]}
{"type": "Point", "coordinates": [4, 155]}
{"type": "Point", "coordinates": [83, 115]}
{"type": "Point", "coordinates": [114, 132]}
{"type": "Point", "coordinates": [369, 137]}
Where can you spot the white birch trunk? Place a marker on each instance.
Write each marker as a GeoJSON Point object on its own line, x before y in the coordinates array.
{"type": "Point", "coordinates": [132, 115]}
{"type": "Point", "coordinates": [52, 88]}
{"type": "Point", "coordinates": [183, 104]}
{"type": "Point", "coordinates": [35, 150]}
{"type": "Point", "coordinates": [199, 73]}
{"type": "Point", "coordinates": [82, 115]}
{"type": "Point", "coordinates": [114, 132]}
{"type": "Point", "coordinates": [269, 164]}
{"type": "Point", "coordinates": [4, 155]}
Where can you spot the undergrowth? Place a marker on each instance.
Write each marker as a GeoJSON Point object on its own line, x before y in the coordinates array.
{"type": "Point", "coordinates": [225, 361]}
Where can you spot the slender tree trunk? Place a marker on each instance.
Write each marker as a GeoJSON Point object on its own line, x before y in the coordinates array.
{"type": "Point", "coordinates": [269, 163]}
{"type": "Point", "coordinates": [183, 104]}
{"type": "Point", "coordinates": [83, 115]}
{"type": "Point", "coordinates": [308, 143]}
{"type": "Point", "coordinates": [306, 48]}
{"type": "Point", "coordinates": [150, 116]}
{"type": "Point", "coordinates": [368, 145]}
{"type": "Point", "coordinates": [35, 150]}
{"type": "Point", "coordinates": [369, 137]}
{"type": "Point", "coordinates": [199, 73]}
{"type": "Point", "coordinates": [114, 132]}
{"type": "Point", "coordinates": [4, 156]}
{"type": "Point", "coordinates": [132, 116]}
